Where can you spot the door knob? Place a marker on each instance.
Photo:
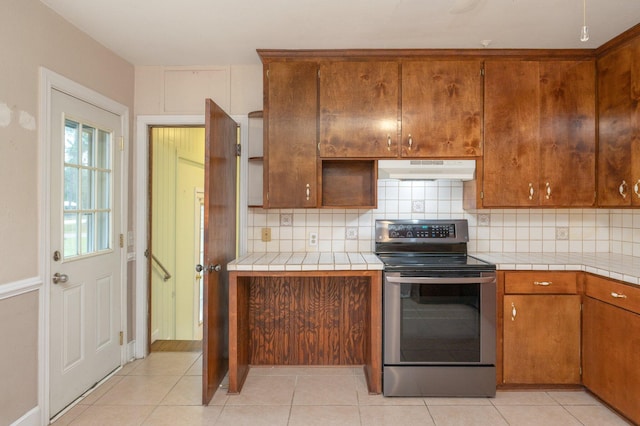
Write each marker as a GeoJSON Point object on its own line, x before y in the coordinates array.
{"type": "Point", "coordinates": [60, 278]}
{"type": "Point", "coordinates": [210, 268]}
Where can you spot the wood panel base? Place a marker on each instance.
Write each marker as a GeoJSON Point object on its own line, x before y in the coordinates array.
{"type": "Point", "coordinates": [305, 318]}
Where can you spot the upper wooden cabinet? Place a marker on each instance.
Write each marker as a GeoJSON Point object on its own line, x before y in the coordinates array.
{"type": "Point", "coordinates": [619, 126]}
{"type": "Point", "coordinates": [359, 109]}
{"type": "Point", "coordinates": [441, 109]}
{"type": "Point", "coordinates": [539, 121]}
{"type": "Point", "coordinates": [290, 140]}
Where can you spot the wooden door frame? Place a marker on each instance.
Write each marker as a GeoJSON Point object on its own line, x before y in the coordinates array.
{"type": "Point", "coordinates": [141, 167]}
{"type": "Point", "coordinates": [50, 81]}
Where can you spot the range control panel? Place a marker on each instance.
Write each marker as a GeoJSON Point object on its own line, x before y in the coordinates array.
{"type": "Point", "coordinates": [422, 230]}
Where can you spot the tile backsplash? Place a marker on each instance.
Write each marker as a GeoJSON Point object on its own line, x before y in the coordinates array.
{"type": "Point", "coordinates": [497, 230]}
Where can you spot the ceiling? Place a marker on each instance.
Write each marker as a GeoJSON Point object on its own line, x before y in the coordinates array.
{"type": "Point", "coordinates": [224, 32]}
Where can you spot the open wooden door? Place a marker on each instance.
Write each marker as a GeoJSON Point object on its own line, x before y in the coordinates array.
{"type": "Point", "coordinates": [219, 243]}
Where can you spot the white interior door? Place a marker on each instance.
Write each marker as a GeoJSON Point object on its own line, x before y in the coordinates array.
{"type": "Point", "coordinates": [85, 258]}
{"type": "Point", "coordinates": [198, 302]}
{"type": "Point", "coordinates": [189, 177]}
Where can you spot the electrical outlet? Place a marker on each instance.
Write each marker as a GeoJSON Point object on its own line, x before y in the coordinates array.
{"type": "Point", "coordinates": [266, 234]}
{"type": "Point", "coordinates": [313, 239]}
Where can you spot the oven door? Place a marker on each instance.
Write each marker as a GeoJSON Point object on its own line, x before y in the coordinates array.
{"type": "Point", "coordinates": [439, 318]}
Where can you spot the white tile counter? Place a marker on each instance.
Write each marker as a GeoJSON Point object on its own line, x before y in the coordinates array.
{"type": "Point", "coordinates": [312, 261]}
{"type": "Point", "coordinates": [610, 265]}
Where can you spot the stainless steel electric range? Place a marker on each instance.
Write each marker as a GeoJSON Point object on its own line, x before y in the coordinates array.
{"type": "Point", "coordinates": [439, 311]}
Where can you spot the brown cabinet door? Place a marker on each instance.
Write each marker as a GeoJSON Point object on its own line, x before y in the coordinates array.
{"type": "Point", "coordinates": [441, 109]}
{"type": "Point", "coordinates": [511, 141]}
{"type": "Point", "coordinates": [290, 135]}
{"type": "Point", "coordinates": [541, 339]}
{"type": "Point", "coordinates": [611, 353]}
{"type": "Point", "coordinates": [619, 127]}
{"type": "Point", "coordinates": [567, 134]}
{"type": "Point", "coordinates": [359, 109]}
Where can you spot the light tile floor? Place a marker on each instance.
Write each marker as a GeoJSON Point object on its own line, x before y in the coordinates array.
{"type": "Point", "coordinates": [164, 389]}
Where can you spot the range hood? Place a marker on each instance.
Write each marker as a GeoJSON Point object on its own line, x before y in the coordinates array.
{"type": "Point", "coordinates": [427, 169]}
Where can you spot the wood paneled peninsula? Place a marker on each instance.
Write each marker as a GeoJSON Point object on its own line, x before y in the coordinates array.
{"type": "Point", "coordinates": [291, 309]}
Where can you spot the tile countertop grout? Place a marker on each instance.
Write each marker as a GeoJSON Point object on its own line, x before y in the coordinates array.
{"type": "Point", "coordinates": [610, 265]}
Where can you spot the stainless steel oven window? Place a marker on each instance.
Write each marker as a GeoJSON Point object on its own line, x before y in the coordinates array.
{"type": "Point", "coordinates": [439, 320]}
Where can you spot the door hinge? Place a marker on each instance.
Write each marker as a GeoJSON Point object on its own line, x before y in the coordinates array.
{"type": "Point", "coordinates": [121, 240]}
{"type": "Point", "coordinates": [238, 150]}
{"type": "Point", "coordinates": [121, 338]}
{"type": "Point", "coordinates": [121, 143]}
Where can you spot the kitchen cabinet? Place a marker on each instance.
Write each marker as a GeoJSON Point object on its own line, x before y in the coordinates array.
{"type": "Point", "coordinates": [294, 176]}
{"type": "Point", "coordinates": [441, 109]}
{"type": "Point", "coordinates": [539, 146]}
{"type": "Point", "coordinates": [359, 109]}
{"type": "Point", "coordinates": [619, 126]}
{"type": "Point", "coordinates": [541, 328]}
{"type": "Point", "coordinates": [290, 138]}
{"type": "Point", "coordinates": [611, 344]}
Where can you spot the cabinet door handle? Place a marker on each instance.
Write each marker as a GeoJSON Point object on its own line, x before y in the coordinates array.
{"type": "Point", "coordinates": [543, 283]}
{"type": "Point", "coordinates": [411, 144]}
{"type": "Point", "coordinates": [618, 295]}
{"type": "Point", "coordinates": [388, 142]}
{"type": "Point", "coordinates": [308, 192]}
{"type": "Point", "coordinates": [513, 312]}
{"type": "Point", "coordinates": [622, 189]}
{"type": "Point", "coordinates": [636, 188]}
{"type": "Point", "coordinates": [548, 190]}
{"type": "Point", "coordinates": [531, 191]}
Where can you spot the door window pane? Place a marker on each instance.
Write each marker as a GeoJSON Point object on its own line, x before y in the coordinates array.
{"type": "Point", "coordinates": [87, 189]}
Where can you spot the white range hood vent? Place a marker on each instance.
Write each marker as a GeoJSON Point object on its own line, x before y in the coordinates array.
{"type": "Point", "coordinates": [427, 169]}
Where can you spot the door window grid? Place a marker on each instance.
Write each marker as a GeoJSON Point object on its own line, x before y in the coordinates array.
{"type": "Point", "coordinates": [87, 211]}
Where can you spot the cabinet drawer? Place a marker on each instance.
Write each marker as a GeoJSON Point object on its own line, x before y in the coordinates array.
{"type": "Point", "coordinates": [626, 296]}
{"type": "Point", "coordinates": [540, 282]}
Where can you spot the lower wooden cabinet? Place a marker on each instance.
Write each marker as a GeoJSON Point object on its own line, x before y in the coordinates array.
{"type": "Point", "coordinates": [611, 344]}
{"type": "Point", "coordinates": [541, 328]}
{"type": "Point", "coordinates": [541, 339]}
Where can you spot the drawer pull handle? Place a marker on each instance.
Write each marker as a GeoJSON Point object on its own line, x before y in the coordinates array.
{"type": "Point", "coordinates": [513, 312]}
{"type": "Point", "coordinates": [618, 295]}
{"type": "Point", "coordinates": [543, 283]}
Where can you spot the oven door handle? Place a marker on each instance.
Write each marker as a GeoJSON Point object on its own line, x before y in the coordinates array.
{"type": "Point", "coordinates": [397, 279]}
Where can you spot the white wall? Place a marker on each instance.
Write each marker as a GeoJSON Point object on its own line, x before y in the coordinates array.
{"type": "Point", "coordinates": [31, 36]}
